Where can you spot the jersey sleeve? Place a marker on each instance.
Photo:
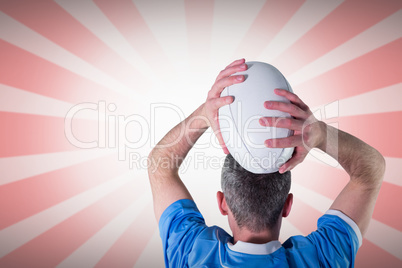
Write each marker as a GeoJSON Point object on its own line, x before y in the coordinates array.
{"type": "Point", "coordinates": [179, 226]}
{"type": "Point", "coordinates": [337, 239]}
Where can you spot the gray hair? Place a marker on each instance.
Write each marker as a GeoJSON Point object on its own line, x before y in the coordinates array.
{"type": "Point", "coordinates": [256, 200]}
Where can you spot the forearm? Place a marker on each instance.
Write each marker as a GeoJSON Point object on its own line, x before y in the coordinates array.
{"type": "Point", "coordinates": [166, 158]}
{"type": "Point", "coordinates": [363, 163]}
{"type": "Point", "coordinates": [175, 145]}
{"type": "Point", "coordinates": [365, 166]}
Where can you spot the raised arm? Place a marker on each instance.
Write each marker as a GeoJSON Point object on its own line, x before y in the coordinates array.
{"type": "Point", "coordinates": [364, 164]}
{"type": "Point", "coordinates": [167, 156]}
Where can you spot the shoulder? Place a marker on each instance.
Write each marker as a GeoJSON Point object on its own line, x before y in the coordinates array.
{"type": "Point", "coordinates": [180, 209]}
{"type": "Point", "coordinates": [182, 218]}
{"type": "Point", "coordinates": [213, 234]}
{"type": "Point", "coordinates": [336, 220]}
{"type": "Point", "coordinates": [185, 236]}
{"type": "Point", "coordinates": [334, 243]}
{"type": "Point", "coordinates": [301, 252]}
{"type": "Point", "coordinates": [334, 227]}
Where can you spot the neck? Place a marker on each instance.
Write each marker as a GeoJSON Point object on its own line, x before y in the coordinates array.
{"type": "Point", "coordinates": [265, 236]}
{"type": "Point", "coordinates": [255, 238]}
{"type": "Point", "coordinates": [245, 235]}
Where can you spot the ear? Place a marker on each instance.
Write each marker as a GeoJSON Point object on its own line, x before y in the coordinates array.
{"type": "Point", "coordinates": [223, 207]}
{"type": "Point", "coordinates": [288, 206]}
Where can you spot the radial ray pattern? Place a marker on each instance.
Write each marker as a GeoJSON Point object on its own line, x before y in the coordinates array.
{"type": "Point", "coordinates": [87, 88]}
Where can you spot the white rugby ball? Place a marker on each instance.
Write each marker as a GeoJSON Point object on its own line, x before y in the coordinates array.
{"type": "Point", "coordinates": [239, 121]}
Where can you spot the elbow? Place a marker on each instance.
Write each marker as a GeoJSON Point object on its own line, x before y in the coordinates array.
{"type": "Point", "coordinates": [378, 170]}
{"type": "Point", "coordinates": [160, 163]}
{"type": "Point", "coordinates": [378, 163]}
{"type": "Point", "coordinates": [152, 162]}
{"type": "Point", "coordinates": [153, 154]}
{"type": "Point", "coordinates": [381, 165]}
{"type": "Point", "coordinates": [369, 169]}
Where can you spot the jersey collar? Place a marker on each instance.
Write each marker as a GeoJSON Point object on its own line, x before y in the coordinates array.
{"type": "Point", "coordinates": [255, 249]}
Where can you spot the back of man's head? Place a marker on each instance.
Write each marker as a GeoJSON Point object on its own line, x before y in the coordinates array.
{"type": "Point", "coordinates": [256, 200]}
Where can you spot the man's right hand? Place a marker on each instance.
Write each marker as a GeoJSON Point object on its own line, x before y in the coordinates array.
{"type": "Point", "coordinates": [215, 101]}
{"type": "Point", "coordinates": [308, 131]}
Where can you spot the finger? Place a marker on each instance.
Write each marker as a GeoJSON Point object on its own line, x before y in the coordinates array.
{"type": "Point", "coordinates": [288, 142]}
{"type": "Point", "coordinates": [220, 85]}
{"type": "Point", "coordinates": [281, 122]}
{"type": "Point", "coordinates": [292, 97]}
{"type": "Point", "coordinates": [236, 62]}
{"type": "Point", "coordinates": [228, 71]}
{"type": "Point", "coordinates": [289, 108]}
{"type": "Point", "coordinates": [296, 159]}
{"type": "Point", "coordinates": [290, 165]}
{"type": "Point", "coordinates": [215, 104]}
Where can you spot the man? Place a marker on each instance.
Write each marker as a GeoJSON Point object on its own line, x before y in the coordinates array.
{"type": "Point", "coordinates": [256, 203]}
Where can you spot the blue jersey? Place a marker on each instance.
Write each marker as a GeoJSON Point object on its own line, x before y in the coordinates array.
{"type": "Point", "coordinates": [188, 242]}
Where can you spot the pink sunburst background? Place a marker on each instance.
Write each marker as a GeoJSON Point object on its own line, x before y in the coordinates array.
{"type": "Point", "coordinates": [138, 67]}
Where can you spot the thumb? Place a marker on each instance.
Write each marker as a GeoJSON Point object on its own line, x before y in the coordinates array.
{"type": "Point", "coordinates": [219, 102]}
{"type": "Point", "coordinates": [296, 159]}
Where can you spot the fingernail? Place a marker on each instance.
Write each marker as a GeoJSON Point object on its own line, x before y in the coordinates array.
{"type": "Point", "coordinates": [229, 99]}
{"type": "Point", "coordinates": [239, 77]}
{"type": "Point", "coordinates": [268, 143]}
{"type": "Point", "coordinates": [264, 122]}
{"type": "Point", "coordinates": [243, 66]}
{"type": "Point", "coordinates": [268, 104]}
